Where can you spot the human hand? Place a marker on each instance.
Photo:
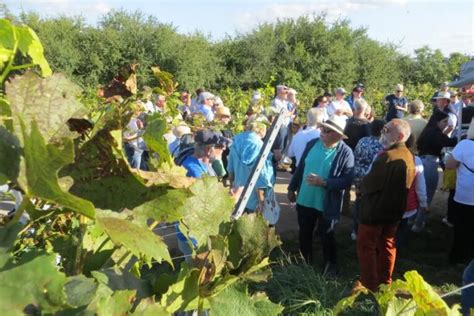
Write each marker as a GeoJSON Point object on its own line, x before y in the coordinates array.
{"type": "Point", "coordinates": [291, 196]}
{"type": "Point", "coordinates": [314, 179]}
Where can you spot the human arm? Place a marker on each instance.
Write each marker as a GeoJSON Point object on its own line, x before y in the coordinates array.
{"type": "Point", "coordinates": [344, 181]}
{"type": "Point", "coordinates": [452, 163]}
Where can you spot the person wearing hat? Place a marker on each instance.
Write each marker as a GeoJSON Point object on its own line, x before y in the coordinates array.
{"type": "Point", "coordinates": [442, 104]}
{"type": "Point", "coordinates": [355, 95]}
{"type": "Point", "coordinates": [281, 102]}
{"type": "Point", "coordinates": [384, 192]}
{"type": "Point", "coordinates": [396, 104]}
{"type": "Point", "coordinates": [198, 164]}
{"type": "Point", "coordinates": [206, 101]}
{"type": "Point", "coordinates": [339, 106]}
{"type": "Point", "coordinates": [325, 171]}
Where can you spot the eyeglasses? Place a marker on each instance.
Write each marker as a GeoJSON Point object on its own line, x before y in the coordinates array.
{"type": "Point", "coordinates": [385, 130]}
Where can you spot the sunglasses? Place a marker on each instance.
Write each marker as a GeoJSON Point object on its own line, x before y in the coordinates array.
{"type": "Point", "coordinates": [326, 130]}
{"type": "Point", "coordinates": [399, 91]}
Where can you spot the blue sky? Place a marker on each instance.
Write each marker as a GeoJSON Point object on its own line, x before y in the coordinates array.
{"type": "Point", "coordinates": [447, 25]}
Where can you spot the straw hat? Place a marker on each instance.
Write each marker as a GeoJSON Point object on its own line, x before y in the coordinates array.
{"type": "Point", "coordinates": [223, 111]}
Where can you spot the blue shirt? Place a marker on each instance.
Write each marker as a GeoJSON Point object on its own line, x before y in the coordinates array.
{"type": "Point", "coordinates": [318, 161]}
{"type": "Point", "coordinates": [195, 168]}
{"type": "Point", "coordinates": [392, 112]}
{"type": "Point", "coordinates": [206, 111]}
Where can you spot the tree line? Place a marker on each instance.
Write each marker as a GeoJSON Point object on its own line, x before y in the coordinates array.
{"type": "Point", "coordinates": [308, 53]}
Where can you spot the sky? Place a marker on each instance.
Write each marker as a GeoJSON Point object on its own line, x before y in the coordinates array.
{"type": "Point", "coordinates": [447, 25]}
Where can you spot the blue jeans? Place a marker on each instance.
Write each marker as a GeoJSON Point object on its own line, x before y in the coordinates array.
{"type": "Point", "coordinates": [467, 295]}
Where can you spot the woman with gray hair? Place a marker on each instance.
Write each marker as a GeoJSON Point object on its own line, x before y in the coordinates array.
{"type": "Point", "coordinates": [416, 121]}
{"type": "Point", "coordinates": [306, 134]}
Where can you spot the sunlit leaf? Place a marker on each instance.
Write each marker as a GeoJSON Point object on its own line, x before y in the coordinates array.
{"type": "Point", "coordinates": [153, 137]}
{"type": "Point", "coordinates": [135, 238]}
{"type": "Point", "coordinates": [108, 302]}
{"type": "Point", "coordinates": [29, 44]}
{"type": "Point", "coordinates": [51, 102]}
{"type": "Point", "coordinates": [7, 37]}
{"type": "Point", "coordinates": [209, 206]}
{"type": "Point", "coordinates": [167, 208]}
{"type": "Point", "coordinates": [150, 308]}
{"type": "Point", "coordinates": [6, 114]}
{"type": "Point", "coordinates": [235, 300]}
{"type": "Point", "coordinates": [42, 164]}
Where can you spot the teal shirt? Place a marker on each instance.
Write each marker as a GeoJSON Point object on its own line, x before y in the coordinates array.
{"type": "Point", "coordinates": [319, 162]}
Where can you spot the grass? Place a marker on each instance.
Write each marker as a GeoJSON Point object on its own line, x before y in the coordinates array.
{"type": "Point", "coordinates": [302, 289]}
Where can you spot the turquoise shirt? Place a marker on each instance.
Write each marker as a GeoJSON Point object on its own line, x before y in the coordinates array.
{"type": "Point", "coordinates": [318, 161]}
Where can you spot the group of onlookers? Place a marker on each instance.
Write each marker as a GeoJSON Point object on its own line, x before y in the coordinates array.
{"type": "Point", "coordinates": [392, 163]}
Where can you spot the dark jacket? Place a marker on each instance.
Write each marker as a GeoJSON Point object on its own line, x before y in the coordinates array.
{"type": "Point", "coordinates": [339, 179]}
{"type": "Point", "coordinates": [385, 188]}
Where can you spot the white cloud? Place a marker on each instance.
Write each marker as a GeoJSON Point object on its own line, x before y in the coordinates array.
{"type": "Point", "coordinates": [333, 9]}
{"type": "Point", "coordinates": [67, 7]}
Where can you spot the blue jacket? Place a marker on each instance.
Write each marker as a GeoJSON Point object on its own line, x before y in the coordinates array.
{"type": "Point", "coordinates": [339, 179]}
{"type": "Point", "coordinates": [243, 155]}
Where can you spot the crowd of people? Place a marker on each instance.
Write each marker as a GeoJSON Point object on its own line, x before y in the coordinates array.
{"type": "Point", "coordinates": [392, 164]}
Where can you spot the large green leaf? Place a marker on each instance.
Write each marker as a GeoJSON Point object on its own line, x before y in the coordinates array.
{"type": "Point", "coordinates": [140, 241]}
{"type": "Point", "coordinates": [80, 290]}
{"type": "Point", "coordinates": [167, 208]}
{"type": "Point", "coordinates": [209, 206]}
{"type": "Point", "coordinates": [250, 241]}
{"type": "Point", "coordinates": [49, 101]}
{"type": "Point", "coordinates": [184, 293]}
{"type": "Point", "coordinates": [108, 302]}
{"type": "Point", "coordinates": [235, 300]}
{"type": "Point", "coordinates": [153, 137]}
{"type": "Point", "coordinates": [7, 41]}
{"type": "Point", "coordinates": [9, 156]}
{"type": "Point", "coordinates": [102, 175]}
{"type": "Point", "coordinates": [34, 284]}
{"type": "Point", "coordinates": [8, 234]}
{"type": "Point", "coordinates": [30, 45]}
{"type": "Point", "coordinates": [42, 164]}
{"type": "Point", "coordinates": [150, 308]}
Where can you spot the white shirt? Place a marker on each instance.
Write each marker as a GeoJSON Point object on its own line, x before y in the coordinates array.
{"type": "Point", "coordinates": [131, 130]}
{"type": "Point", "coordinates": [149, 107]}
{"type": "Point", "coordinates": [299, 141]}
{"type": "Point", "coordinates": [279, 104]}
{"type": "Point", "coordinates": [464, 153]}
{"type": "Point", "coordinates": [338, 105]}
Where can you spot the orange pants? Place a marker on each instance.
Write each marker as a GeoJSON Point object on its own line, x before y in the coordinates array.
{"type": "Point", "coordinates": [376, 251]}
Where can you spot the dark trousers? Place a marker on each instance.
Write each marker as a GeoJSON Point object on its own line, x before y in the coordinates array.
{"type": "Point", "coordinates": [308, 218]}
{"type": "Point", "coordinates": [376, 252]}
{"type": "Point", "coordinates": [451, 206]}
{"type": "Point", "coordinates": [462, 250]}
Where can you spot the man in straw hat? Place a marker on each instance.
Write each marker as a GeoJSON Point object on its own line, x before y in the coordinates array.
{"type": "Point", "coordinates": [384, 193]}
{"type": "Point", "coordinates": [325, 170]}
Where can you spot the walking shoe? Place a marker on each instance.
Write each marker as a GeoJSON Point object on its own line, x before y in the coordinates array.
{"type": "Point", "coordinates": [446, 222]}
{"type": "Point", "coordinates": [418, 228]}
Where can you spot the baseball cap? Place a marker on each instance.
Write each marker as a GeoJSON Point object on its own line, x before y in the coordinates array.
{"type": "Point", "coordinates": [443, 95]}
{"type": "Point", "coordinates": [210, 137]}
{"type": "Point", "coordinates": [341, 90]}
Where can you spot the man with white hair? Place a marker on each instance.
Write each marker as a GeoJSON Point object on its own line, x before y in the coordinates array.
{"type": "Point", "coordinates": [306, 134]}
{"type": "Point", "coordinates": [339, 106]}
{"type": "Point", "coordinates": [384, 192]}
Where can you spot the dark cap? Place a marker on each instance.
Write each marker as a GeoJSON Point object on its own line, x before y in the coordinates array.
{"type": "Point", "coordinates": [210, 137]}
{"type": "Point", "coordinates": [359, 87]}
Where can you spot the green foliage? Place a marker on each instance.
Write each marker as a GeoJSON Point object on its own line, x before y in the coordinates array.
{"type": "Point", "coordinates": [19, 40]}
{"type": "Point", "coordinates": [50, 102]}
{"type": "Point", "coordinates": [9, 156]}
{"type": "Point", "coordinates": [412, 296]}
{"type": "Point", "coordinates": [32, 284]}
{"type": "Point", "coordinates": [235, 300]}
